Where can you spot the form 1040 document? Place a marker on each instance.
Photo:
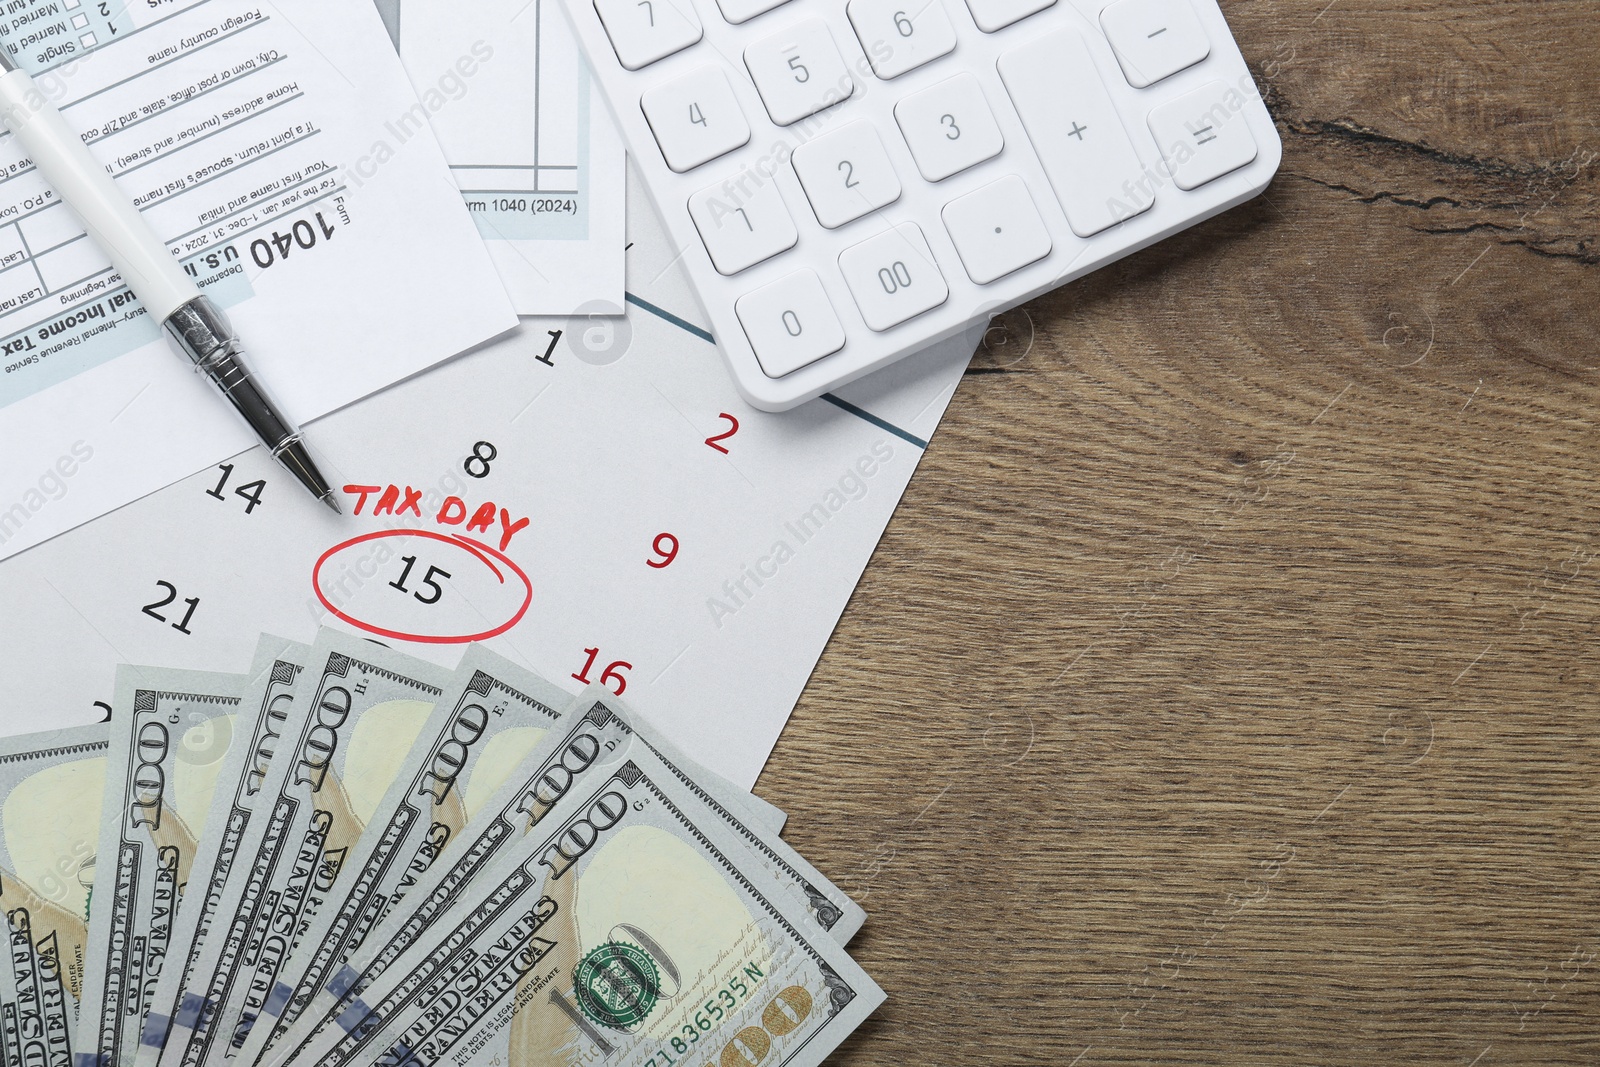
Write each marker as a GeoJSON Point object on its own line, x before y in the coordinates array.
{"type": "Point", "coordinates": [539, 162]}
{"type": "Point", "coordinates": [277, 149]}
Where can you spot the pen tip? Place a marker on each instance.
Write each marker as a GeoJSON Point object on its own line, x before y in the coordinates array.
{"type": "Point", "coordinates": [333, 503]}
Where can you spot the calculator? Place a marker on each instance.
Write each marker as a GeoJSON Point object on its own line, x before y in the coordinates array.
{"type": "Point", "coordinates": [850, 181]}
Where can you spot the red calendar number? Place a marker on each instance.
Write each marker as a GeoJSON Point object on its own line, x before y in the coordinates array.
{"type": "Point", "coordinates": [612, 677]}
{"type": "Point", "coordinates": [667, 554]}
{"type": "Point", "coordinates": [733, 428]}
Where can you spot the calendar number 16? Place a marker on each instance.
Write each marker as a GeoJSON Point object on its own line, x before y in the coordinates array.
{"type": "Point", "coordinates": [613, 677]}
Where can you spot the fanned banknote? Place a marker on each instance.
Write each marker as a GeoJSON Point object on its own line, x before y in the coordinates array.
{"type": "Point", "coordinates": [632, 926]}
{"type": "Point", "coordinates": [262, 714]}
{"type": "Point", "coordinates": [170, 735]}
{"type": "Point", "coordinates": [50, 789]}
{"type": "Point", "coordinates": [593, 740]}
{"type": "Point", "coordinates": [492, 716]}
{"type": "Point", "coordinates": [357, 709]}
{"type": "Point", "coordinates": [349, 857]}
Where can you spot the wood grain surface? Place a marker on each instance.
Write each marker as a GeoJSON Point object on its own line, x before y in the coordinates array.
{"type": "Point", "coordinates": [1225, 689]}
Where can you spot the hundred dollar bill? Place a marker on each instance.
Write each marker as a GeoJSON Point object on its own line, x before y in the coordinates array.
{"type": "Point", "coordinates": [356, 711]}
{"type": "Point", "coordinates": [262, 714]}
{"type": "Point", "coordinates": [492, 716]}
{"type": "Point", "coordinates": [170, 735]}
{"type": "Point", "coordinates": [632, 926]}
{"type": "Point", "coordinates": [50, 789]}
{"type": "Point", "coordinates": [595, 738]}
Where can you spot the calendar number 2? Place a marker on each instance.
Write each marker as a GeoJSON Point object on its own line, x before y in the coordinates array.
{"type": "Point", "coordinates": [181, 626]}
{"type": "Point", "coordinates": [612, 677]}
{"type": "Point", "coordinates": [733, 428]}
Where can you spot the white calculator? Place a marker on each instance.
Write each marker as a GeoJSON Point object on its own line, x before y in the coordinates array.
{"type": "Point", "coordinates": [853, 180]}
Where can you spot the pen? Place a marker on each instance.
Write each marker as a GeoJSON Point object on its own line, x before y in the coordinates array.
{"type": "Point", "coordinates": [194, 325]}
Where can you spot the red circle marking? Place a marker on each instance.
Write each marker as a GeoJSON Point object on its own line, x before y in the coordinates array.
{"type": "Point", "coordinates": [477, 548]}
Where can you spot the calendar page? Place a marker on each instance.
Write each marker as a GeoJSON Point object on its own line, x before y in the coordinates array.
{"type": "Point", "coordinates": [588, 496]}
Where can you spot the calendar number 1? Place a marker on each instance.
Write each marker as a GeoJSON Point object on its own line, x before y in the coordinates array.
{"type": "Point", "coordinates": [548, 359]}
{"type": "Point", "coordinates": [612, 677]}
{"type": "Point", "coordinates": [733, 428]}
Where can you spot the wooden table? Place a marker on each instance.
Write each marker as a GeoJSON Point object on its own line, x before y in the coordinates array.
{"type": "Point", "coordinates": [1225, 690]}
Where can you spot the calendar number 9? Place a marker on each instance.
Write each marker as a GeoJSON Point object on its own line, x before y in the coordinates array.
{"type": "Point", "coordinates": [666, 548]}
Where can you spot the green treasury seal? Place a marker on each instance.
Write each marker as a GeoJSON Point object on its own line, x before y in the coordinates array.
{"type": "Point", "coordinates": [616, 985]}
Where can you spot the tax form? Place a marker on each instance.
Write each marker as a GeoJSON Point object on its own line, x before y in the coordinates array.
{"type": "Point", "coordinates": [280, 151]}
{"type": "Point", "coordinates": [539, 162]}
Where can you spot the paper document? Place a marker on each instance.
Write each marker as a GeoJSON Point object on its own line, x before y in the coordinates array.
{"type": "Point", "coordinates": [592, 500]}
{"type": "Point", "coordinates": [539, 162]}
{"type": "Point", "coordinates": [281, 152]}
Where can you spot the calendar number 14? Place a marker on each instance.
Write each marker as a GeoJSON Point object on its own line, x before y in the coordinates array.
{"type": "Point", "coordinates": [250, 491]}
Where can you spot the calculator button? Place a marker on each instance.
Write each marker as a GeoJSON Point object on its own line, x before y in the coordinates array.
{"type": "Point", "coordinates": [737, 11]}
{"type": "Point", "coordinates": [949, 127]}
{"type": "Point", "coordinates": [643, 31]}
{"type": "Point", "coordinates": [992, 15]}
{"type": "Point", "coordinates": [1074, 127]}
{"type": "Point", "coordinates": [1154, 39]}
{"type": "Point", "coordinates": [798, 71]}
{"type": "Point", "coordinates": [901, 35]}
{"type": "Point", "coordinates": [1203, 134]}
{"type": "Point", "coordinates": [695, 118]}
{"type": "Point", "coordinates": [996, 229]}
{"type": "Point", "coordinates": [742, 225]}
{"type": "Point", "coordinates": [790, 323]}
{"type": "Point", "coordinates": [846, 174]}
{"type": "Point", "coordinates": [893, 276]}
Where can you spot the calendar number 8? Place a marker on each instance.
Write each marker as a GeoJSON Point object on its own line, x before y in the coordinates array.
{"type": "Point", "coordinates": [483, 453]}
{"type": "Point", "coordinates": [895, 277]}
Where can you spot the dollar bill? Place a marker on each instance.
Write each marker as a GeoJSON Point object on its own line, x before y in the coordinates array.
{"type": "Point", "coordinates": [50, 792]}
{"type": "Point", "coordinates": [632, 926]}
{"type": "Point", "coordinates": [262, 713]}
{"type": "Point", "coordinates": [356, 711]}
{"type": "Point", "coordinates": [600, 733]}
{"type": "Point", "coordinates": [170, 735]}
{"type": "Point", "coordinates": [492, 716]}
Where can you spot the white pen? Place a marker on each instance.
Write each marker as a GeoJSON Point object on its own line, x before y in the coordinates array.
{"type": "Point", "coordinates": [195, 325]}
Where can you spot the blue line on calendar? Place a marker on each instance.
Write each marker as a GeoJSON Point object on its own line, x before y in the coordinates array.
{"type": "Point", "coordinates": [663, 313]}
{"type": "Point", "coordinates": [843, 405]}
{"type": "Point", "coordinates": [882, 424]}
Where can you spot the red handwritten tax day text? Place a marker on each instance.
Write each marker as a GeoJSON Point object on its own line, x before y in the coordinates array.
{"type": "Point", "coordinates": [398, 500]}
